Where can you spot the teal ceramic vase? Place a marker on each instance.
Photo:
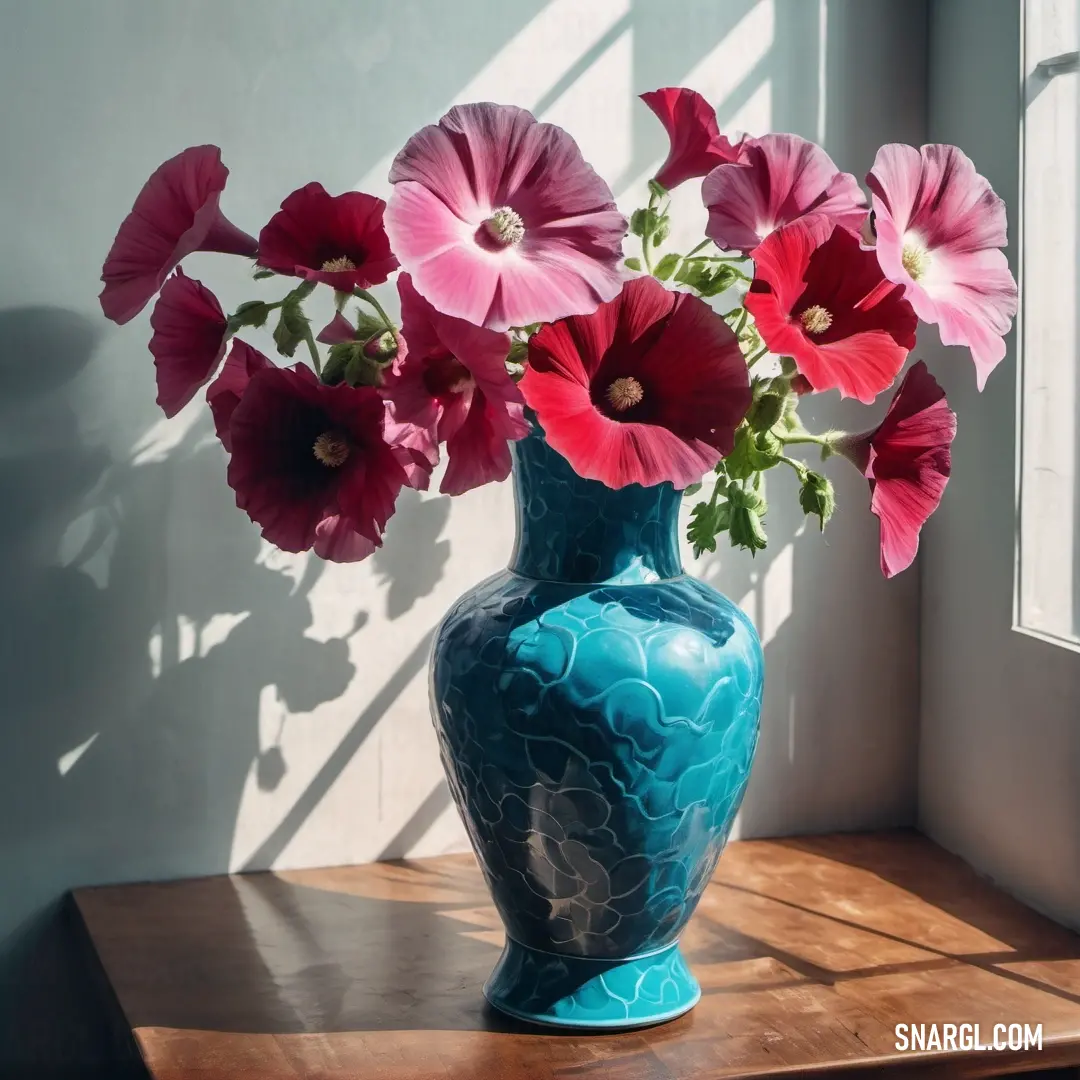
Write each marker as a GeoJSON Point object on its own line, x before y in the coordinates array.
{"type": "Point", "coordinates": [597, 712]}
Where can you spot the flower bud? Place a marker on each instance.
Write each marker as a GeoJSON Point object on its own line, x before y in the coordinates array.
{"type": "Point", "coordinates": [766, 411]}
{"type": "Point", "coordinates": [382, 347]}
{"type": "Point", "coordinates": [816, 497]}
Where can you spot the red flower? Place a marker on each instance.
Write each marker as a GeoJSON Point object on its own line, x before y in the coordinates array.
{"type": "Point", "coordinates": [907, 461]}
{"type": "Point", "coordinates": [452, 382]}
{"type": "Point", "coordinates": [225, 392]}
{"type": "Point", "coordinates": [821, 299]}
{"type": "Point", "coordinates": [336, 239]}
{"type": "Point", "coordinates": [697, 146]}
{"type": "Point", "coordinates": [649, 388]}
{"type": "Point", "coordinates": [175, 214]}
{"type": "Point", "coordinates": [311, 463]}
{"type": "Point", "coordinates": [189, 340]}
{"type": "Point", "coordinates": [777, 179]}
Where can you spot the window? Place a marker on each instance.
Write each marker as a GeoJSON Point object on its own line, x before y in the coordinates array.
{"type": "Point", "coordinates": [1048, 593]}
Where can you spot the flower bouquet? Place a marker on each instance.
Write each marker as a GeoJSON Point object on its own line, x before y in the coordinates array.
{"type": "Point", "coordinates": [597, 709]}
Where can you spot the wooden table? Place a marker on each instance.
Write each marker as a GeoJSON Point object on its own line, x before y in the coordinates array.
{"type": "Point", "coordinates": [809, 952]}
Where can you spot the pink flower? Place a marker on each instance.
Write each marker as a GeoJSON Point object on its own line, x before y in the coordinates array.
{"type": "Point", "coordinates": [452, 382]}
{"type": "Point", "coordinates": [907, 460]}
{"type": "Point", "coordinates": [188, 342]}
{"type": "Point", "coordinates": [175, 214]}
{"type": "Point", "coordinates": [500, 222]}
{"type": "Point", "coordinates": [939, 230]}
{"type": "Point", "coordinates": [697, 146]}
{"type": "Point", "coordinates": [336, 239]}
{"type": "Point", "coordinates": [821, 299]}
{"type": "Point", "coordinates": [649, 388]}
{"type": "Point", "coordinates": [225, 392]}
{"type": "Point", "coordinates": [312, 463]}
{"type": "Point", "coordinates": [777, 179]}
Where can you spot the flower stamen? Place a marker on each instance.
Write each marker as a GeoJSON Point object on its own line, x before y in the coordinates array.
{"type": "Point", "coordinates": [333, 266]}
{"type": "Point", "coordinates": [915, 259]}
{"type": "Point", "coordinates": [816, 319]}
{"type": "Point", "coordinates": [331, 449]}
{"type": "Point", "coordinates": [505, 226]}
{"type": "Point", "coordinates": [625, 393]}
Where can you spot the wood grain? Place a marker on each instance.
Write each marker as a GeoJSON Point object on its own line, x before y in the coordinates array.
{"type": "Point", "coordinates": [809, 952]}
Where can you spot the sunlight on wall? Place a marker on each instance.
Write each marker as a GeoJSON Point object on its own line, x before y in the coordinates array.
{"type": "Point", "coordinates": [354, 758]}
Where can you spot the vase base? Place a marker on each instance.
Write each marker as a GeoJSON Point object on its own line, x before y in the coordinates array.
{"type": "Point", "coordinates": [575, 992]}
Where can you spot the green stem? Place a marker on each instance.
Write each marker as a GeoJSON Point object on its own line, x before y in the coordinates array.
{"type": "Point", "coordinates": [803, 437]}
{"type": "Point", "coordinates": [314, 350]}
{"type": "Point", "coordinates": [742, 321]}
{"type": "Point", "coordinates": [364, 295]}
{"type": "Point", "coordinates": [701, 247]}
{"type": "Point", "coordinates": [798, 466]}
{"type": "Point", "coordinates": [752, 360]}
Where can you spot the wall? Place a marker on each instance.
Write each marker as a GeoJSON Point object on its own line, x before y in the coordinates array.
{"type": "Point", "coordinates": [175, 697]}
{"type": "Point", "coordinates": [1000, 743]}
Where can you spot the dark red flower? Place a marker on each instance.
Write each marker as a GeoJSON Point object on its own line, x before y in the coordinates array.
{"type": "Point", "coordinates": [452, 383]}
{"type": "Point", "coordinates": [821, 299]}
{"type": "Point", "coordinates": [225, 392]}
{"type": "Point", "coordinates": [647, 389]}
{"type": "Point", "coordinates": [336, 239]}
{"type": "Point", "coordinates": [311, 463]}
{"type": "Point", "coordinates": [907, 461]}
{"type": "Point", "coordinates": [188, 342]}
{"type": "Point", "coordinates": [697, 146]}
{"type": "Point", "coordinates": [175, 214]}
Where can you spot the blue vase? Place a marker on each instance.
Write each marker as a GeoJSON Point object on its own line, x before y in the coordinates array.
{"type": "Point", "coordinates": [597, 712]}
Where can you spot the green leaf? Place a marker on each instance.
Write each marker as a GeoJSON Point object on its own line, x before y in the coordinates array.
{"type": "Point", "coordinates": [261, 274]}
{"type": "Point", "coordinates": [707, 519]}
{"type": "Point", "coordinates": [706, 276]}
{"type": "Point", "coordinates": [747, 510]}
{"type": "Point", "coordinates": [666, 266]}
{"type": "Point", "coordinates": [251, 313]}
{"type": "Point", "coordinates": [692, 489]}
{"type": "Point", "coordinates": [632, 264]}
{"type": "Point", "coordinates": [292, 328]}
{"type": "Point", "coordinates": [753, 452]}
{"type": "Point", "coordinates": [662, 230]}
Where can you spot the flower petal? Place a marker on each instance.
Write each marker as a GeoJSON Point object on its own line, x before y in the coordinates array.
{"type": "Point", "coordinates": [188, 342]}
{"type": "Point", "coordinates": [777, 179]}
{"type": "Point", "coordinates": [697, 146]}
{"type": "Point", "coordinates": [225, 392]}
{"type": "Point", "coordinates": [175, 213]}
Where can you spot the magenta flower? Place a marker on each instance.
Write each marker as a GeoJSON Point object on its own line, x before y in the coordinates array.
{"type": "Point", "coordinates": [907, 460]}
{"type": "Point", "coordinates": [500, 221]}
{"type": "Point", "coordinates": [336, 239]}
{"type": "Point", "coordinates": [175, 214]}
{"type": "Point", "coordinates": [225, 392]}
{"type": "Point", "coordinates": [189, 340]}
{"type": "Point", "coordinates": [940, 228]}
{"type": "Point", "coordinates": [697, 146]}
{"type": "Point", "coordinates": [777, 179]}
{"type": "Point", "coordinates": [453, 384]}
{"type": "Point", "coordinates": [313, 464]}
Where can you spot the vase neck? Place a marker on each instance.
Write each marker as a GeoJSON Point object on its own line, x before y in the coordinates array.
{"type": "Point", "coordinates": [576, 530]}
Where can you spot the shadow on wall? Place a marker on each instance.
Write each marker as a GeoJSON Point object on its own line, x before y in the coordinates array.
{"type": "Point", "coordinates": [136, 640]}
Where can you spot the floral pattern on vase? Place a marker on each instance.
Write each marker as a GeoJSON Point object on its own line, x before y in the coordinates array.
{"type": "Point", "coordinates": [597, 713]}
